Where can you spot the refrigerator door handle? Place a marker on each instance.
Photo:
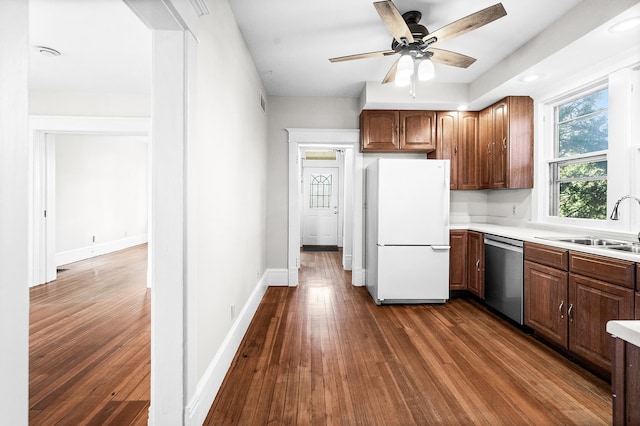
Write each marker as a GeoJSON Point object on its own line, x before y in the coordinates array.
{"type": "Point", "coordinates": [440, 248]}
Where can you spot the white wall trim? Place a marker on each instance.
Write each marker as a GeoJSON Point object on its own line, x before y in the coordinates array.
{"type": "Point", "coordinates": [348, 138]}
{"type": "Point", "coordinates": [130, 126]}
{"type": "Point", "coordinates": [277, 277]}
{"type": "Point", "coordinates": [81, 253]}
{"type": "Point", "coordinates": [209, 385]}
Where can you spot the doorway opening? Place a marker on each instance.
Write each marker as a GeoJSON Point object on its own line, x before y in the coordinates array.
{"type": "Point", "coordinates": [348, 215]}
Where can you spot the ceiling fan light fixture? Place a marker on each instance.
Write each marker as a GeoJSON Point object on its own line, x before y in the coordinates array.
{"type": "Point", "coordinates": [405, 67]}
{"type": "Point", "coordinates": [426, 70]}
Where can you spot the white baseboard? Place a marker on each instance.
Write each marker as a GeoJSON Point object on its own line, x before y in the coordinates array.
{"type": "Point", "coordinates": [357, 277]}
{"type": "Point", "coordinates": [209, 385]}
{"type": "Point", "coordinates": [88, 252]}
{"type": "Point", "coordinates": [347, 263]}
{"type": "Point", "coordinates": [278, 277]}
{"type": "Point", "coordinates": [293, 277]}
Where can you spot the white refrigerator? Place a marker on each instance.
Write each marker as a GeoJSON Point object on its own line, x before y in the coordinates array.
{"type": "Point", "coordinates": [407, 231]}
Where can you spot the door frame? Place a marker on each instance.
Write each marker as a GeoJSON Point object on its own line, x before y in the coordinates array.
{"type": "Point", "coordinates": [42, 131]}
{"type": "Point", "coordinates": [353, 171]}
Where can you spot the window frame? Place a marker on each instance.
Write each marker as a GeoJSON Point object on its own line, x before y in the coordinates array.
{"type": "Point", "coordinates": [623, 153]}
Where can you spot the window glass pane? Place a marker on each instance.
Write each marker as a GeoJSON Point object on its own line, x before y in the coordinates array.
{"type": "Point", "coordinates": [320, 191]}
{"type": "Point", "coordinates": [583, 199]}
{"type": "Point", "coordinates": [583, 135]}
{"type": "Point", "coordinates": [586, 105]}
{"type": "Point", "coordinates": [583, 170]}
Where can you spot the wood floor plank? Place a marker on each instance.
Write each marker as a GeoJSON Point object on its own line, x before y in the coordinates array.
{"type": "Point", "coordinates": [324, 353]}
{"type": "Point", "coordinates": [89, 358]}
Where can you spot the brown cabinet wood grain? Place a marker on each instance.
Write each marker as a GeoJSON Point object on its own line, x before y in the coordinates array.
{"type": "Point", "coordinates": [417, 131]}
{"type": "Point", "coordinates": [458, 260]}
{"type": "Point", "coordinates": [546, 300]}
{"type": "Point", "coordinates": [379, 130]}
{"type": "Point", "coordinates": [506, 143]}
{"type": "Point", "coordinates": [570, 296]}
{"type": "Point", "coordinates": [592, 304]}
{"type": "Point", "coordinates": [475, 265]}
{"type": "Point", "coordinates": [625, 383]}
{"type": "Point", "coordinates": [457, 140]}
{"type": "Point", "coordinates": [393, 131]}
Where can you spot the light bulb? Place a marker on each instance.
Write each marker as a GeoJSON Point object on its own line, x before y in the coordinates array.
{"type": "Point", "coordinates": [426, 70]}
{"type": "Point", "coordinates": [402, 80]}
{"type": "Point", "coordinates": [405, 67]}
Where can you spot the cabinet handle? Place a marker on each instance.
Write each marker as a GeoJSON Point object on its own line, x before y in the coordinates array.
{"type": "Point", "coordinates": [478, 265]}
{"type": "Point", "coordinates": [455, 149]}
{"type": "Point", "coordinates": [504, 143]}
{"type": "Point", "coordinates": [569, 312]}
{"type": "Point", "coordinates": [560, 309]}
{"type": "Point", "coordinates": [489, 148]}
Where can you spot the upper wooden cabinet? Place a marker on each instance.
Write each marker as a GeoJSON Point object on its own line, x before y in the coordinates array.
{"type": "Point", "coordinates": [392, 131]}
{"type": "Point", "coordinates": [457, 140]}
{"type": "Point", "coordinates": [506, 144]}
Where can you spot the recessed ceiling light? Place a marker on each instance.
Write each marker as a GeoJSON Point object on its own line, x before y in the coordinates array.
{"type": "Point", "coordinates": [530, 78]}
{"type": "Point", "coordinates": [47, 51]}
{"type": "Point", "coordinates": [463, 107]}
{"type": "Point", "coordinates": [625, 25]}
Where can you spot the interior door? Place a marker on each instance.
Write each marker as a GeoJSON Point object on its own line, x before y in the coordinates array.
{"type": "Point", "coordinates": [320, 206]}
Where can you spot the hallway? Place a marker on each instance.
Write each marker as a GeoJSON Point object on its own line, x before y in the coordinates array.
{"type": "Point", "coordinates": [89, 357]}
{"type": "Point", "coordinates": [324, 353]}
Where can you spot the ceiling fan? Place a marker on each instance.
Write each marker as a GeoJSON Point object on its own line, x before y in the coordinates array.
{"type": "Point", "coordinates": [416, 44]}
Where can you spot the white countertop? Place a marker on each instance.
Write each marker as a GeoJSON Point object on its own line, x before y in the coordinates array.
{"type": "Point", "coordinates": [537, 235]}
{"type": "Point", "coordinates": [629, 331]}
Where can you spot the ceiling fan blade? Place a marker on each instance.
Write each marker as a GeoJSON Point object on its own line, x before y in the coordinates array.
{"type": "Point", "coordinates": [363, 55]}
{"type": "Point", "coordinates": [451, 58]}
{"type": "Point", "coordinates": [391, 75]}
{"type": "Point", "coordinates": [468, 23]}
{"type": "Point", "coordinates": [393, 20]}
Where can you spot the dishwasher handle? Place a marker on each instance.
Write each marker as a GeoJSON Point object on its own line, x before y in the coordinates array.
{"type": "Point", "coordinates": [505, 246]}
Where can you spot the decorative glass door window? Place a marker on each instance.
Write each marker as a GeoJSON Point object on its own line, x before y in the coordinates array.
{"type": "Point", "coordinates": [320, 193]}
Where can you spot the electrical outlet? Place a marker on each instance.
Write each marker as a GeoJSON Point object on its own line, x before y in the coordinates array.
{"type": "Point", "coordinates": [514, 210]}
{"type": "Point", "coordinates": [233, 312]}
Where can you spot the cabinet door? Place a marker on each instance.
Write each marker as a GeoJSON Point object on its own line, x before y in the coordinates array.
{"type": "Point", "coordinates": [546, 302]}
{"type": "Point", "coordinates": [592, 304]}
{"type": "Point", "coordinates": [379, 130]}
{"type": "Point", "coordinates": [500, 149]}
{"type": "Point", "coordinates": [458, 260]}
{"type": "Point", "coordinates": [418, 131]}
{"type": "Point", "coordinates": [485, 142]}
{"type": "Point", "coordinates": [447, 146]}
{"type": "Point", "coordinates": [475, 272]}
{"type": "Point", "coordinates": [469, 156]}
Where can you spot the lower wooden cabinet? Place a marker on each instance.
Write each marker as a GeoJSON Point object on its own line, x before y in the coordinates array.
{"type": "Point", "coordinates": [458, 260]}
{"type": "Point", "coordinates": [475, 265]}
{"type": "Point", "coordinates": [625, 383]}
{"type": "Point", "coordinates": [593, 303]}
{"type": "Point", "coordinates": [546, 299]}
{"type": "Point", "coordinates": [571, 310]}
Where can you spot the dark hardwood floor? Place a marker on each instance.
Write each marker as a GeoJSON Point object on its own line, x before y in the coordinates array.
{"type": "Point", "coordinates": [89, 359]}
{"type": "Point", "coordinates": [321, 353]}
{"type": "Point", "coordinates": [324, 353]}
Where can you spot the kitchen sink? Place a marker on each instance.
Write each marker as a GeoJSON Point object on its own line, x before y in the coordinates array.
{"type": "Point", "coordinates": [603, 243]}
{"type": "Point", "coordinates": [630, 248]}
{"type": "Point", "coordinates": [590, 241]}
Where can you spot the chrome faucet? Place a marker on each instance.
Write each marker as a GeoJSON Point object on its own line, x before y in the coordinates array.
{"type": "Point", "coordinates": [615, 215]}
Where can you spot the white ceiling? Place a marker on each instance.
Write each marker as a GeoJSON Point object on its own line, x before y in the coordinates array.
{"type": "Point", "coordinates": [105, 48]}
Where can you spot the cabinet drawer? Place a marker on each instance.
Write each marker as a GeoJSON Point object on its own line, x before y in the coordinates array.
{"type": "Point", "coordinates": [547, 255]}
{"type": "Point", "coordinates": [603, 268]}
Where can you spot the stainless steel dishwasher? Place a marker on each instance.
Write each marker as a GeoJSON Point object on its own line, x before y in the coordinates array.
{"type": "Point", "coordinates": [503, 277]}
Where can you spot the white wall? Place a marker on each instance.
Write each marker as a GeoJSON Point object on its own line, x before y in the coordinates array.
{"type": "Point", "coordinates": [231, 179]}
{"type": "Point", "coordinates": [89, 104]}
{"type": "Point", "coordinates": [101, 189]}
{"type": "Point", "coordinates": [286, 112]}
{"type": "Point", "coordinates": [14, 213]}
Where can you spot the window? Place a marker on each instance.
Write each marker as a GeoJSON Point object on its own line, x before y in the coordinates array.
{"type": "Point", "coordinates": [578, 170]}
{"type": "Point", "coordinates": [320, 195]}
